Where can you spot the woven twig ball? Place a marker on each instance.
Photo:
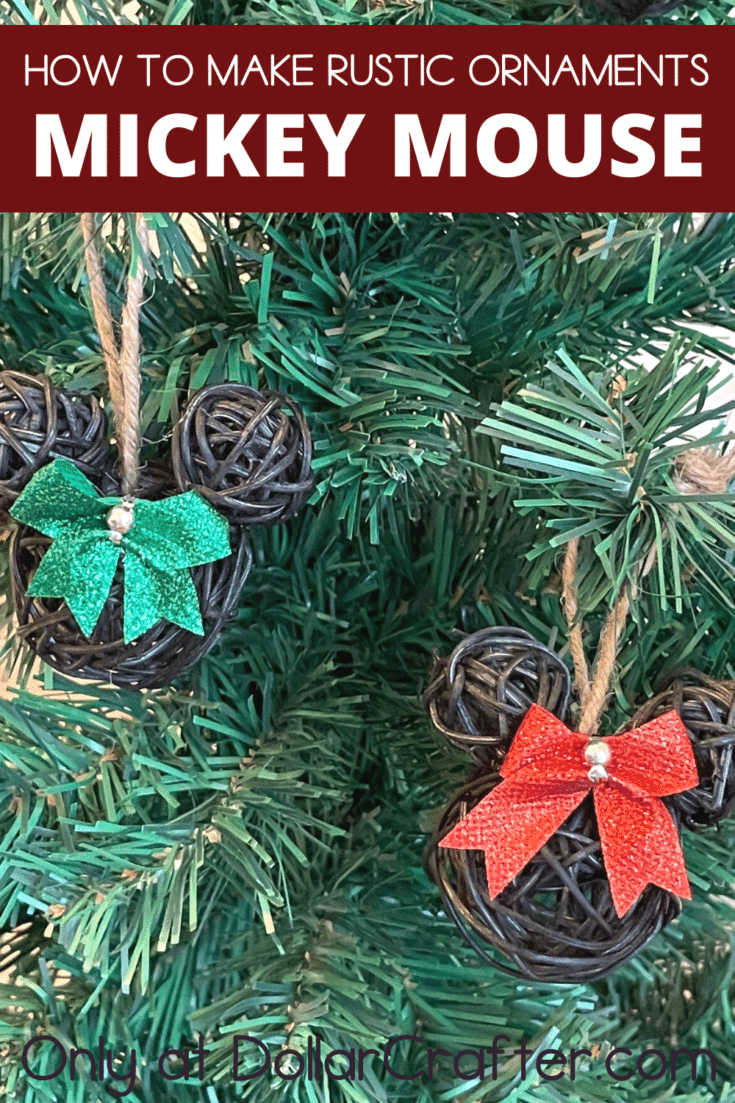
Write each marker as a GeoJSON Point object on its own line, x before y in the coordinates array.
{"type": "Point", "coordinates": [155, 658]}
{"type": "Point", "coordinates": [247, 452]}
{"type": "Point", "coordinates": [39, 423]}
{"type": "Point", "coordinates": [556, 921]}
{"type": "Point", "coordinates": [478, 696]}
{"type": "Point", "coordinates": [707, 709]}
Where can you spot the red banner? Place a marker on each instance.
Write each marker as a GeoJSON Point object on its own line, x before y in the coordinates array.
{"type": "Point", "coordinates": [383, 118]}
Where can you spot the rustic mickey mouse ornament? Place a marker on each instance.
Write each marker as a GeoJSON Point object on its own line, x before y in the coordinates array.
{"type": "Point", "coordinates": [561, 857]}
{"type": "Point", "coordinates": [115, 575]}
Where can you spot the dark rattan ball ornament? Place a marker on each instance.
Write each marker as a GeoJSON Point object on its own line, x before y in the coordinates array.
{"type": "Point", "coordinates": [707, 708]}
{"type": "Point", "coordinates": [247, 452]}
{"type": "Point", "coordinates": [556, 922]}
{"type": "Point", "coordinates": [39, 423]}
{"type": "Point", "coordinates": [479, 695]}
{"type": "Point", "coordinates": [154, 658]}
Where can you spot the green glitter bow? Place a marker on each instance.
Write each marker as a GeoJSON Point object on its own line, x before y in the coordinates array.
{"type": "Point", "coordinates": [166, 538]}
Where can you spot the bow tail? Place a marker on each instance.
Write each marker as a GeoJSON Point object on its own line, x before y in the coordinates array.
{"type": "Point", "coordinates": [152, 595]}
{"type": "Point", "coordinates": [640, 845]}
{"type": "Point", "coordinates": [512, 823]}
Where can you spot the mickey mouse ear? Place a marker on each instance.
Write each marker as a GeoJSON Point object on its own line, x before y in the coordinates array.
{"type": "Point", "coordinates": [478, 696]}
{"type": "Point", "coordinates": [38, 424]}
{"type": "Point", "coordinates": [707, 708]}
{"type": "Point", "coordinates": [247, 452]}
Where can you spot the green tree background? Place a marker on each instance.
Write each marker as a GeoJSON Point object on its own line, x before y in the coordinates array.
{"type": "Point", "coordinates": [366, 12]}
{"type": "Point", "coordinates": [241, 852]}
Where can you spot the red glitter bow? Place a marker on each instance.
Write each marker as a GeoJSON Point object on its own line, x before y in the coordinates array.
{"type": "Point", "coordinates": [547, 775]}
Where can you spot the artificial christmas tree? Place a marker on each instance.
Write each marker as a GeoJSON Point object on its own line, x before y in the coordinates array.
{"type": "Point", "coordinates": [239, 852]}
{"type": "Point", "coordinates": [373, 12]}
{"type": "Point", "coordinates": [578, 844]}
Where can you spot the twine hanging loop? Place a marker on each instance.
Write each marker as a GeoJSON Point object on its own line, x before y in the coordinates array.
{"type": "Point", "coordinates": [592, 692]}
{"type": "Point", "coordinates": [122, 360]}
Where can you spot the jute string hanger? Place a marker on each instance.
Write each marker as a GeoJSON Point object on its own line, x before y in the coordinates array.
{"type": "Point", "coordinates": [592, 691]}
{"type": "Point", "coordinates": [122, 359]}
{"type": "Point", "coordinates": [698, 471]}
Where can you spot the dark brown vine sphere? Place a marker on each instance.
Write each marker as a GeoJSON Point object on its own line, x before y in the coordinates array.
{"type": "Point", "coordinates": [707, 709]}
{"type": "Point", "coordinates": [556, 921]}
{"type": "Point", "coordinates": [244, 452]}
{"type": "Point", "coordinates": [478, 696]}
{"type": "Point", "coordinates": [39, 424]}
{"type": "Point", "coordinates": [155, 658]}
